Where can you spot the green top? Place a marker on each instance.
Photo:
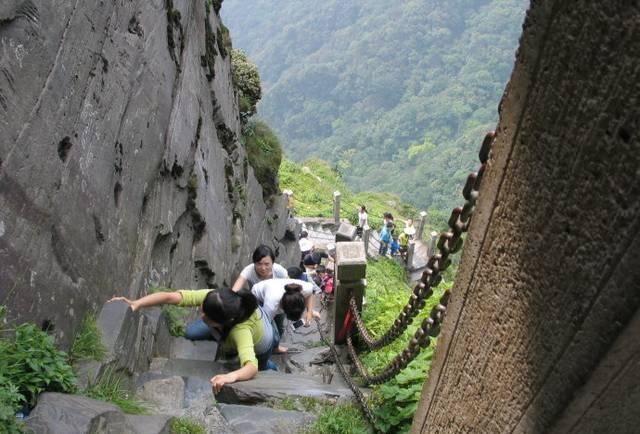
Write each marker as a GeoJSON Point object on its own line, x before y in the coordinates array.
{"type": "Point", "coordinates": [242, 337]}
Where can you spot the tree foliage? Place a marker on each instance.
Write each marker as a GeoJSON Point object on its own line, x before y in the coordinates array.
{"type": "Point", "coordinates": [397, 94]}
{"type": "Point", "coordinates": [247, 81]}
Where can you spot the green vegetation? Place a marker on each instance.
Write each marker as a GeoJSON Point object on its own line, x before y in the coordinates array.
{"type": "Point", "coordinates": [265, 155]}
{"type": "Point", "coordinates": [387, 293]}
{"type": "Point", "coordinates": [339, 419]}
{"type": "Point", "coordinates": [314, 182]}
{"type": "Point", "coordinates": [247, 81]}
{"type": "Point", "coordinates": [88, 342]}
{"type": "Point", "coordinates": [30, 364]}
{"type": "Point", "coordinates": [176, 316]}
{"type": "Point", "coordinates": [398, 95]}
{"type": "Point", "coordinates": [111, 388]}
{"type": "Point", "coordinates": [185, 425]}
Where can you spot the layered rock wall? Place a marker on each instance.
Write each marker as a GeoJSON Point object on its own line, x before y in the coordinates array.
{"type": "Point", "coordinates": [120, 165]}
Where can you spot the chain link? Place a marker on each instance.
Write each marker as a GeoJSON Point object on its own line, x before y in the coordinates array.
{"type": "Point", "coordinates": [345, 375]}
{"type": "Point", "coordinates": [430, 327]}
{"type": "Point", "coordinates": [449, 242]}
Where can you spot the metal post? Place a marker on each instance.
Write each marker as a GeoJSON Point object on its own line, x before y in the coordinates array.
{"type": "Point", "coordinates": [351, 268]}
{"type": "Point", "coordinates": [421, 225]}
{"type": "Point", "coordinates": [336, 207]}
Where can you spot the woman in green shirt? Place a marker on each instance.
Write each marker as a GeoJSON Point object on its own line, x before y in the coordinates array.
{"type": "Point", "coordinates": [236, 316]}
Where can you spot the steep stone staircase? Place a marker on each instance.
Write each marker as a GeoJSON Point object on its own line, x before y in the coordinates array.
{"type": "Point", "coordinates": [172, 374]}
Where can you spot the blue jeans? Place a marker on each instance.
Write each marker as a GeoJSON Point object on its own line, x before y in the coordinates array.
{"type": "Point", "coordinates": [198, 330]}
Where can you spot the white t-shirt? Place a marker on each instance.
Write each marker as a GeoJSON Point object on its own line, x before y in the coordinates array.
{"type": "Point", "coordinates": [249, 273]}
{"type": "Point", "coordinates": [269, 293]}
{"type": "Point", "coordinates": [305, 244]}
{"type": "Point", "coordinates": [363, 220]}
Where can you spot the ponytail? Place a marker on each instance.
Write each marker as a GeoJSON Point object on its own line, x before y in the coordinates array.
{"type": "Point", "coordinates": [293, 301]}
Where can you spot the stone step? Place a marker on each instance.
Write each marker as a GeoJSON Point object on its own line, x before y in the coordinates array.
{"type": "Point", "coordinates": [58, 413]}
{"type": "Point", "coordinates": [271, 385]}
{"type": "Point", "coordinates": [264, 420]}
{"type": "Point", "coordinates": [181, 348]}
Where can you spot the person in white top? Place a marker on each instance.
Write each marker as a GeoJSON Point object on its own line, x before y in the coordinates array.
{"type": "Point", "coordinates": [262, 268]}
{"type": "Point", "coordinates": [409, 229]}
{"type": "Point", "coordinates": [286, 297]}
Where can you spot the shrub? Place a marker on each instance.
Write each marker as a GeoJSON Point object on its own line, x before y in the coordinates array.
{"type": "Point", "coordinates": [265, 155]}
{"type": "Point", "coordinates": [246, 79]}
{"type": "Point", "coordinates": [31, 363]}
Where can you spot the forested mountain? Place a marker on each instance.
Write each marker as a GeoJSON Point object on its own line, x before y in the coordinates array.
{"type": "Point", "coordinates": [397, 95]}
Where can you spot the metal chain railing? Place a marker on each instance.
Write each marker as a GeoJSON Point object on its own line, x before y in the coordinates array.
{"type": "Point", "coordinates": [345, 375]}
{"type": "Point", "coordinates": [430, 327]}
{"type": "Point", "coordinates": [449, 242]}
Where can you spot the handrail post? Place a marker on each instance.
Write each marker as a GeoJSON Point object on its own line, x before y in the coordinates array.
{"type": "Point", "coordinates": [421, 225]}
{"type": "Point", "coordinates": [365, 239]}
{"type": "Point", "coordinates": [336, 207]}
{"type": "Point", "coordinates": [432, 245]}
{"type": "Point", "coordinates": [351, 269]}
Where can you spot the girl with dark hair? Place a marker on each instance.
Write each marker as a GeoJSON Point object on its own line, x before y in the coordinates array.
{"type": "Point", "coordinates": [235, 317]}
{"type": "Point", "coordinates": [292, 298]}
{"type": "Point", "coordinates": [262, 268]}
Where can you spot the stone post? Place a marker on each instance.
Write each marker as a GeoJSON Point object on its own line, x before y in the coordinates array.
{"type": "Point", "coordinates": [410, 250]}
{"type": "Point", "coordinates": [365, 239]}
{"type": "Point", "coordinates": [336, 207]}
{"type": "Point", "coordinates": [351, 267]}
{"type": "Point", "coordinates": [421, 225]}
{"type": "Point", "coordinates": [432, 245]}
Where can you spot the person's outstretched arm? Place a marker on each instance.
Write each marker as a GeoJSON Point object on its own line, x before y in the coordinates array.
{"type": "Point", "coordinates": [154, 299]}
{"type": "Point", "coordinates": [238, 284]}
{"type": "Point", "coordinates": [247, 372]}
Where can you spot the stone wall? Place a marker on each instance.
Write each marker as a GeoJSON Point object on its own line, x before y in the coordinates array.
{"type": "Point", "coordinates": [120, 165]}
{"type": "Point", "coordinates": [542, 333]}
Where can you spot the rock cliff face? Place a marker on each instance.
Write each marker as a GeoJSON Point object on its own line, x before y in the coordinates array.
{"type": "Point", "coordinates": [120, 165]}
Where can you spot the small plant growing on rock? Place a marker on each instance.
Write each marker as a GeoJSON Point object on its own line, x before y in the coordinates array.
{"type": "Point", "coordinates": [88, 342]}
{"type": "Point", "coordinates": [110, 388]}
{"type": "Point", "coordinates": [185, 425]}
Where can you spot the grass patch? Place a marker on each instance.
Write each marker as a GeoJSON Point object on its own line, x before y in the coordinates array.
{"type": "Point", "coordinates": [88, 342]}
{"type": "Point", "coordinates": [339, 419]}
{"type": "Point", "coordinates": [176, 316]}
{"type": "Point", "coordinates": [185, 425]}
{"type": "Point", "coordinates": [111, 388]}
{"type": "Point", "coordinates": [314, 182]}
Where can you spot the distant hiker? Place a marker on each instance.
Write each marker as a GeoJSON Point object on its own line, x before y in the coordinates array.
{"type": "Point", "coordinates": [306, 245]}
{"type": "Point", "coordinates": [394, 246]}
{"type": "Point", "coordinates": [409, 229]}
{"type": "Point", "coordinates": [326, 278]}
{"type": "Point", "coordinates": [262, 268]}
{"type": "Point", "coordinates": [232, 318]}
{"type": "Point", "coordinates": [385, 238]}
{"type": "Point", "coordinates": [363, 220]}
{"type": "Point", "coordinates": [388, 219]}
{"type": "Point", "coordinates": [403, 241]}
{"type": "Point", "coordinates": [290, 298]}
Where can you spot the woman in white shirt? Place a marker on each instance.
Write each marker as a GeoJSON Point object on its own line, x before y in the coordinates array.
{"type": "Point", "coordinates": [262, 268]}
